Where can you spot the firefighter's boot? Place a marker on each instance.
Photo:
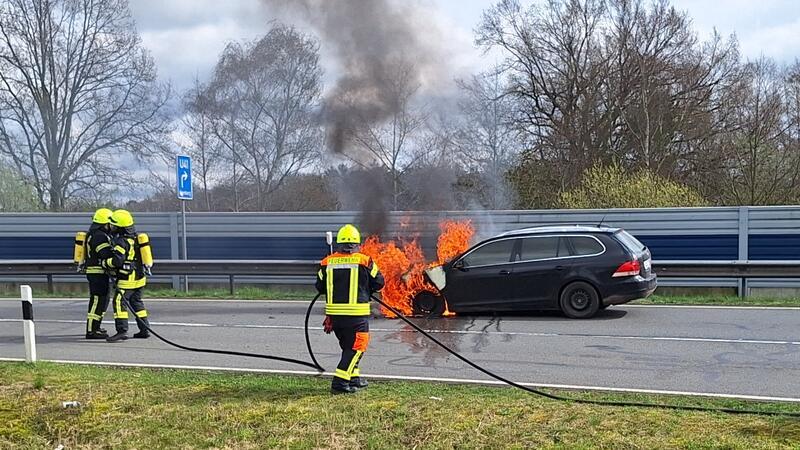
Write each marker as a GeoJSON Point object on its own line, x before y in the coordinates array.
{"type": "Point", "coordinates": [340, 386]}
{"type": "Point", "coordinates": [97, 335]}
{"type": "Point", "coordinates": [144, 327]}
{"type": "Point", "coordinates": [120, 336]}
{"type": "Point", "coordinates": [358, 383]}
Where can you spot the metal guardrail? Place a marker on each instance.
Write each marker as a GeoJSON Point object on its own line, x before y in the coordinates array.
{"type": "Point", "coordinates": [304, 269]}
{"type": "Point", "coordinates": [228, 268]}
{"type": "Point", "coordinates": [173, 267]}
{"type": "Point", "coordinates": [727, 269]}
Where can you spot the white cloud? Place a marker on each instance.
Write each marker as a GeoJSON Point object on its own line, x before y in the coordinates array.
{"type": "Point", "coordinates": [187, 36]}
{"type": "Point", "coordinates": [781, 42]}
{"type": "Point", "coordinates": [183, 53]}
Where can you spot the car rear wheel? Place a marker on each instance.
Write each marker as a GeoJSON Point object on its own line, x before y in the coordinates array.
{"type": "Point", "coordinates": [428, 304]}
{"type": "Point", "coordinates": [579, 300]}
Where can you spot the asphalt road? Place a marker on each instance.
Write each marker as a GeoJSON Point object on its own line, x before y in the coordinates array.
{"type": "Point", "coordinates": [730, 351]}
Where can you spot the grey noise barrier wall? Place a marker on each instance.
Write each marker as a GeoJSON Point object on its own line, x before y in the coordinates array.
{"type": "Point", "coordinates": [672, 234]}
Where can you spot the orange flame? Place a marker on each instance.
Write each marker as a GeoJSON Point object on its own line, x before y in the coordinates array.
{"type": "Point", "coordinates": [403, 263]}
{"type": "Point", "coordinates": [454, 239]}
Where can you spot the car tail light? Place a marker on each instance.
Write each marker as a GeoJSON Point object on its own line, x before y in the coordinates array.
{"type": "Point", "coordinates": [628, 269]}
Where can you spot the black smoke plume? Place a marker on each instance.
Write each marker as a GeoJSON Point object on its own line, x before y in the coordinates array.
{"type": "Point", "coordinates": [370, 39]}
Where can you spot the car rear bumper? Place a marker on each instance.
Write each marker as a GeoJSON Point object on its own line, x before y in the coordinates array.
{"type": "Point", "coordinates": [633, 288]}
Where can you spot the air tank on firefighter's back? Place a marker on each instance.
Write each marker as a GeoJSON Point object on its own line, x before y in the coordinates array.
{"type": "Point", "coordinates": [144, 248]}
{"type": "Point", "coordinates": [79, 253]}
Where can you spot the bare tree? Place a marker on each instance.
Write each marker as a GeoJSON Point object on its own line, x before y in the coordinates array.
{"type": "Point", "coordinates": [555, 65]}
{"type": "Point", "coordinates": [77, 94]}
{"type": "Point", "coordinates": [389, 143]}
{"type": "Point", "coordinates": [487, 138]}
{"type": "Point", "coordinates": [662, 86]}
{"type": "Point", "coordinates": [610, 81]}
{"type": "Point", "coordinates": [265, 96]}
{"type": "Point", "coordinates": [763, 158]}
{"type": "Point", "coordinates": [202, 144]}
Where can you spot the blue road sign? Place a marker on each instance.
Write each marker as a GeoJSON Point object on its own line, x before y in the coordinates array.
{"type": "Point", "coordinates": [184, 176]}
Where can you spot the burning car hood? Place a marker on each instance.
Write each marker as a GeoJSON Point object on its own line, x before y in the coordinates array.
{"type": "Point", "coordinates": [437, 276]}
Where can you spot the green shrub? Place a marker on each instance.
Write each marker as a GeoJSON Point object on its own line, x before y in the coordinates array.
{"type": "Point", "coordinates": [16, 195]}
{"type": "Point", "coordinates": [613, 187]}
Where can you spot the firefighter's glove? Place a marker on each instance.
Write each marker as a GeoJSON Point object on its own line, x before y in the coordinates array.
{"type": "Point", "coordinates": [80, 268]}
{"type": "Point", "coordinates": [327, 325]}
{"type": "Point", "coordinates": [148, 271]}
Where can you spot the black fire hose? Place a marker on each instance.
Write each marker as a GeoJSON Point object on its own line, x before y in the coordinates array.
{"type": "Point", "coordinates": [571, 399]}
{"type": "Point", "coordinates": [314, 365]}
{"type": "Point", "coordinates": [308, 340]}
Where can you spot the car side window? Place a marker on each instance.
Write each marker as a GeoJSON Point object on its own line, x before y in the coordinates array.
{"type": "Point", "coordinates": [534, 248]}
{"type": "Point", "coordinates": [563, 248]}
{"type": "Point", "coordinates": [497, 252]}
{"type": "Point", "coordinates": [585, 246]}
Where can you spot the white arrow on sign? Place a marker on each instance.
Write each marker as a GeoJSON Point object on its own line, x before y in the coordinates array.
{"type": "Point", "coordinates": [184, 177]}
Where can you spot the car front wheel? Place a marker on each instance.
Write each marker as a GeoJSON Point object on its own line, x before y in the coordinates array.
{"type": "Point", "coordinates": [579, 300]}
{"type": "Point", "coordinates": [428, 304]}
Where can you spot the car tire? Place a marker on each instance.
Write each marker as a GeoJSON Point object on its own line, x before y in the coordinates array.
{"type": "Point", "coordinates": [428, 304]}
{"type": "Point", "coordinates": [579, 300]}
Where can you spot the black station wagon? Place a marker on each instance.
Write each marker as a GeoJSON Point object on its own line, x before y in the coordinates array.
{"type": "Point", "coordinates": [575, 269]}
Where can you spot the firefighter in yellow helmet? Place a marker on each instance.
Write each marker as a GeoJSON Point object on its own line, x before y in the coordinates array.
{"type": "Point", "coordinates": [131, 275]}
{"type": "Point", "coordinates": [348, 278]}
{"type": "Point", "coordinates": [97, 249]}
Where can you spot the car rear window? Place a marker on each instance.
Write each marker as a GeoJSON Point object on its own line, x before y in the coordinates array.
{"type": "Point", "coordinates": [496, 252]}
{"type": "Point", "coordinates": [630, 242]}
{"type": "Point", "coordinates": [540, 248]}
{"type": "Point", "coordinates": [585, 246]}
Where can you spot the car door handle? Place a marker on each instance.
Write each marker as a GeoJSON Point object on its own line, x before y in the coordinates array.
{"type": "Point", "coordinates": [559, 267]}
{"type": "Point", "coordinates": [505, 272]}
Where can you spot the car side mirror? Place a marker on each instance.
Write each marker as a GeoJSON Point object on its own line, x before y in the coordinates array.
{"type": "Point", "coordinates": [460, 265]}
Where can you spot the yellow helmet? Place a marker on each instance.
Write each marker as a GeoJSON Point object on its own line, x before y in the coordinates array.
{"type": "Point", "coordinates": [122, 218]}
{"type": "Point", "coordinates": [102, 216]}
{"type": "Point", "coordinates": [348, 234]}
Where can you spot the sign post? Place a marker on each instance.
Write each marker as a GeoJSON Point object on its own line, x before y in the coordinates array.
{"type": "Point", "coordinates": [185, 193]}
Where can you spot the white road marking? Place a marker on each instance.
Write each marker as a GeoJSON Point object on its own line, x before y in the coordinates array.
{"type": "Point", "coordinates": [428, 379]}
{"type": "Point", "coordinates": [467, 332]}
{"type": "Point", "coordinates": [770, 308]}
{"type": "Point", "coordinates": [302, 301]}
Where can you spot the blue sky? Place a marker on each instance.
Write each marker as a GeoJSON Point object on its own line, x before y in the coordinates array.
{"type": "Point", "coordinates": [186, 36]}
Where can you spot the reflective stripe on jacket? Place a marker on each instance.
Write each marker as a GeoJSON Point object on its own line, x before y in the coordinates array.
{"type": "Point", "coordinates": [347, 280]}
{"type": "Point", "coordinates": [126, 261]}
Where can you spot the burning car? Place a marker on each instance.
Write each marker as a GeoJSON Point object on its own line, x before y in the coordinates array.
{"type": "Point", "coordinates": [575, 269]}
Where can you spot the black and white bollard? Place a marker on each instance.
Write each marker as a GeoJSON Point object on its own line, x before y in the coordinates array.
{"type": "Point", "coordinates": [28, 330]}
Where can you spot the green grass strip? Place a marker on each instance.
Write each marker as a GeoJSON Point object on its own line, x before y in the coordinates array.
{"type": "Point", "coordinates": [720, 300]}
{"type": "Point", "coordinates": [308, 292]}
{"type": "Point", "coordinates": [154, 409]}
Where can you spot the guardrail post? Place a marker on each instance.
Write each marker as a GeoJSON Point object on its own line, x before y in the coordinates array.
{"type": "Point", "coordinates": [232, 282]}
{"type": "Point", "coordinates": [28, 330]}
{"type": "Point", "coordinates": [744, 242]}
{"type": "Point", "coordinates": [50, 288]}
{"type": "Point", "coordinates": [744, 233]}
